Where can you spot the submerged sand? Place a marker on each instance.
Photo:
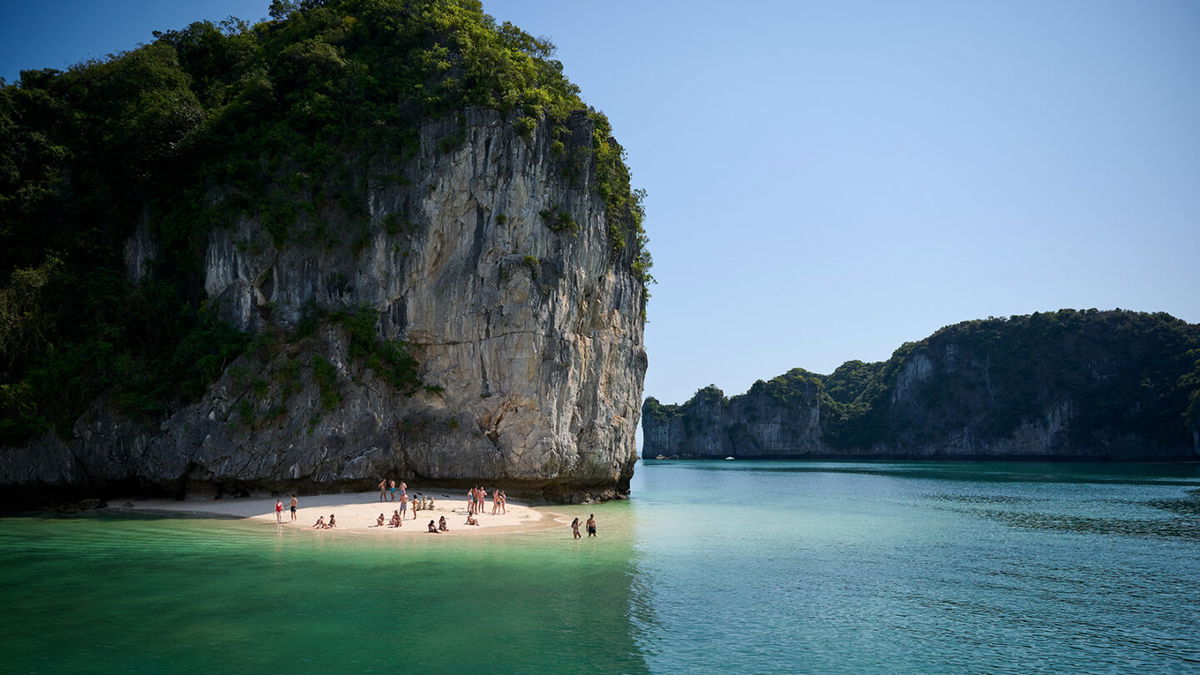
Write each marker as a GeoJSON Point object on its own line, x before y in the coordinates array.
{"type": "Point", "coordinates": [358, 511]}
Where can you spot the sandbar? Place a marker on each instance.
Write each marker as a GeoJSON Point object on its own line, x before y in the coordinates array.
{"type": "Point", "coordinates": [358, 512]}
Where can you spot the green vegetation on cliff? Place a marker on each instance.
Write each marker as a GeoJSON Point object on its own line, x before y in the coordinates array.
{"type": "Point", "coordinates": [1116, 374]}
{"type": "Point", "coordinates": [276, 120]}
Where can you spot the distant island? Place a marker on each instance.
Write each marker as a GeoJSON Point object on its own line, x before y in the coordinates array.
{"type": "Point", "coordinates": [1059, 385]}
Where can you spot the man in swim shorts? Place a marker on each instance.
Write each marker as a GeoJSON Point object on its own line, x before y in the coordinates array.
{"type": "Point", "coordinates": [295, 503]}
{"type": "Point", "coordinates": [591, 525]}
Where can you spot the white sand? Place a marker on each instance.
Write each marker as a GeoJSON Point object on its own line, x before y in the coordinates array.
{"type": "Point", "coordinates": [358, 511]}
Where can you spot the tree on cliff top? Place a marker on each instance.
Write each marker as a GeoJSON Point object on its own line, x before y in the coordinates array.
{"type": "Point", "coordinates": [218, 120]}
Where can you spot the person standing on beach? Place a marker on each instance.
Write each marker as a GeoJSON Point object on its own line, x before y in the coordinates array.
{"type": "Point", "coordinates": [591, 525]}
{"type": "Point", "coordinates": [575, 529]}
{"type": "Point", "coordinates": [404, 505]}
{"type": "Point", "coordinates": [391, 491]}
{"type": "Point", "coordinates": [295, 503]}
{"type": "Point", "coordinates": [278, 511]}
{"type": "Point", "coordinates": [471, 502]}
{"type": "Point", "coordinates": [383, 490]}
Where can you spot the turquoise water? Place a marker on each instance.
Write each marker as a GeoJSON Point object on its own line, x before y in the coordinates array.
{"type": "Point", "coordinates": [771, 566]}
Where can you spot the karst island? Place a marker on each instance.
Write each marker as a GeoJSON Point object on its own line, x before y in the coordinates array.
{"type": "Point", "coordinates": [355, 240]}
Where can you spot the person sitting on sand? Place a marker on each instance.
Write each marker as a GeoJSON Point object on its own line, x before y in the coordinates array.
{"type": "Point", "coordinates": [433, 527]}
{"type": "Point", "coordinates": [320, 524]}
{"type": "Point", "coordinates": [442, 524]}
{"type": "Point", "coordinates": [395, 521]}
{"type": "Point", "coordinates": [332, 523]}
{"type": "Point", "coordinates": [575, 529]}
{"type": "Point", "coordinates": [471, 520]}
{"type": "Point", "coordinates": [379, 521]}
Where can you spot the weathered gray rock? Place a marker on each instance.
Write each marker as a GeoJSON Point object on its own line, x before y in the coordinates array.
{"type": "Point", "coordinates": [533, 336]}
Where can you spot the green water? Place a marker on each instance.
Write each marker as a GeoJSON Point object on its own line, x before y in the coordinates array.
{"type": "Point", "coordinates": [713, 566]}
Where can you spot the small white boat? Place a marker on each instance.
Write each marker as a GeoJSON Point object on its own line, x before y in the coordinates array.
{"type": "Point", "coordinates": [728, 458]}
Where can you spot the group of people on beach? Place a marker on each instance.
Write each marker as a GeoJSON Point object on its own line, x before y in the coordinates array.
{"type": "Point", "coordinates": [396, 521]}
{"type": "Point", "coordinates": [279, 509]}
{"type": "Point", "coordinates": [389, 491]}
{"type": "Point", "coordinates": [476, 497]}
{"type": "Point", "coordinates": [388, 488]}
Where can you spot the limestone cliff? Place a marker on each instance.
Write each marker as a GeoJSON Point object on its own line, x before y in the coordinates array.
{"type": "Point", "coordinates": [1100, 385]}
{"type": "Point", "coordinates": [363, 238]}
{"type": "Point", "coordinates": [530, 340]}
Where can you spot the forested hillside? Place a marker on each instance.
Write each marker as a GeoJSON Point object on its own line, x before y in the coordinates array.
{"type": "Point", "coordinates": [1066, 383]}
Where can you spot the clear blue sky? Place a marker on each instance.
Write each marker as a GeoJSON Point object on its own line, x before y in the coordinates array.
{"type": "Point", "coordinates": [828, 180]}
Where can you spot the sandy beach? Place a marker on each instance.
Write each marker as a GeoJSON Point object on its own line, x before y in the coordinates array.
{"type": "Point", "coordinates": [358, 512]}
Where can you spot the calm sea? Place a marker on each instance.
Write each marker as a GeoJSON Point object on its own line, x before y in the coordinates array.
{"type": "Point", "coordinates": [712, 567]}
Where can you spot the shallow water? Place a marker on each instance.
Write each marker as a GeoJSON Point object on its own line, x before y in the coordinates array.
{"type": "Point", "coordinates": [810, 566]}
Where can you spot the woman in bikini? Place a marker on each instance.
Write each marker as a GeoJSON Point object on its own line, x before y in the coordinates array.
{"type": "Point", "coordinates": [442, 524]}
{"type": "Point", "coordinates": [575, 529]}
{"type": "Point", "coordinates": [379, 521]}
{"type": "Point", "coordinates": [320, 524]}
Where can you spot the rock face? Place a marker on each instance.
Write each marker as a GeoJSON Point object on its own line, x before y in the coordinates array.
{"type": "Point", "coordinates": [528, 337]}
{"type": "Point", "coordinates": [1083, 385]}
